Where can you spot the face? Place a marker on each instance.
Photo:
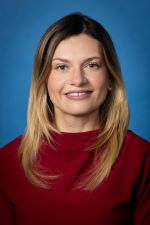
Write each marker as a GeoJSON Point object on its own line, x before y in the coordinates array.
{"type": "Point", "coordinates": [78, 82]}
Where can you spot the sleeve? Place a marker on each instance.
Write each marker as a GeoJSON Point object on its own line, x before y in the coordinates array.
{"type": "Point", "coordinates": [142, 208]}
{"type": "Point", "coordinates": [7, 216]}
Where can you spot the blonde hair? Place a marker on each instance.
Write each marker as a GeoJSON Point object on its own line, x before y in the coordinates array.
{"type": "Point", "coordinates": [114, 113]}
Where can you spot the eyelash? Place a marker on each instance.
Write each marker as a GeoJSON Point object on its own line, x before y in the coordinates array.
{"type": "Point", "coordinates": [91, 65]}
{"type": "Point", "coordinates": [61, 67]}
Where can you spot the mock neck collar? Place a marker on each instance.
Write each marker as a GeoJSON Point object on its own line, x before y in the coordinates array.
{"type": "Point", "coordinates": [78, 140]}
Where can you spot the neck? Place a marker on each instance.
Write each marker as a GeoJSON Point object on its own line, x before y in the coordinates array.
{"type": "Point", "coordinates": [75, 124]}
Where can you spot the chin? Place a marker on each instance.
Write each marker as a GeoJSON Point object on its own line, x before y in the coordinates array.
{"type": "Point", "coordinates": [80, 113]}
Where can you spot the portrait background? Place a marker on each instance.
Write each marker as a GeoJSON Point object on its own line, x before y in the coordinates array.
{"type": "Point", "coordinates": [22, 24]}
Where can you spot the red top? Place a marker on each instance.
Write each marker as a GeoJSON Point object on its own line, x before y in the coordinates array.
{"type": "Point", "coordinates": [122, 199]}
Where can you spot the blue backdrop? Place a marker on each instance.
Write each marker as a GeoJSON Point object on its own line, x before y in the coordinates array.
{"type": "Point", "coordinates": [22, 24]}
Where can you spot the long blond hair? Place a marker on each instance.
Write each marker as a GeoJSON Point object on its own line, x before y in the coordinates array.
{"type": "Point", "coordinates": [113, 117]}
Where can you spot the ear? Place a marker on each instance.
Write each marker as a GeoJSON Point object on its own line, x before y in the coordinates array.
{"type": "Point", "coordinates": [109, 84]}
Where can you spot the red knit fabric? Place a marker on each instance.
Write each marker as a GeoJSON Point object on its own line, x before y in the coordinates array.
{"type": "Point", "coordinates": [122, 199]}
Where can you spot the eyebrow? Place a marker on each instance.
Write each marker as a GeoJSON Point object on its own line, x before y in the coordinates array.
{"type": "Point", "coordinates": [85, 60]}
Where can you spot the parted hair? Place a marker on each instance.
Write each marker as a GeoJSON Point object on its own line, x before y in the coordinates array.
{"type": "Point", "coordinates": [113, 113]}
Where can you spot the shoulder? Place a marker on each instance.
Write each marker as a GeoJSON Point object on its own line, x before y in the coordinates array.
{"type": "Point", "coordinates": [10, 163]}
{"type": "Point", "coordinates": [12, 144]}
{"type": "Point", "coordinates": [135, 149]}
{"type": "Point", "coordinates": [136, 142]}
{"type": "Point", "coordinates": [10, 150]}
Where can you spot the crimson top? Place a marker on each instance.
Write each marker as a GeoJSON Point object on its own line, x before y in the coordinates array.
{"type": "Point", "coordinates": [122, 199]}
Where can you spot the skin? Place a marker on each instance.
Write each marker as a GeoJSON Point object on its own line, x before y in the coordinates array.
{"type": "Point", "coordinates": [78, 83]}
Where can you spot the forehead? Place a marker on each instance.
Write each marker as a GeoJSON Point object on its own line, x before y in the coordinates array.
{"type": "Point", "coordinates": [82, 44]}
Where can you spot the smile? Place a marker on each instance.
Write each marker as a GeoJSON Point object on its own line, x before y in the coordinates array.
{"type": "Point", "coordinates": [78, 95]}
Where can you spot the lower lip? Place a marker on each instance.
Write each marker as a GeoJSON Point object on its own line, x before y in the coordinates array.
{"type": "Point", "coordinates": [79, 97]}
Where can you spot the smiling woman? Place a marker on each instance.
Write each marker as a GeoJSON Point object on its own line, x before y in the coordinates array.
{"type": "Point", "coordinates": [74, 164]}
{"type": "Point", "coordinates": [78, 83]}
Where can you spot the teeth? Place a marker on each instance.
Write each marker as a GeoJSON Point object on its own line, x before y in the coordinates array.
{"type": "Point", "coordinates": [76, 94]}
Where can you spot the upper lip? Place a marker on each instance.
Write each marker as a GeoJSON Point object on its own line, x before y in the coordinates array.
{"type": "Point", "coordinates": [78, 91]}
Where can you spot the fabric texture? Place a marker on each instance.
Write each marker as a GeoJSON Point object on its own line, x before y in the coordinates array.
{"type": "Point", "coordinates": [121, 199]}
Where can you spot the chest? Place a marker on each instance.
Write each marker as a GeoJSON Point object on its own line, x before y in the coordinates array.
{"type": "Point", "coordinates": [109, 204]}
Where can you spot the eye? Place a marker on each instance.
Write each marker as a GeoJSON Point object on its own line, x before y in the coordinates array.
{"type": "Point", "coordinates": [61, 67]}
{"type": "Point", "coordinates": [93, 65]}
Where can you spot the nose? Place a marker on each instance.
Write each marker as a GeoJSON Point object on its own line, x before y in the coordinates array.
{"type": "Point", "coordinates": [78, 77]}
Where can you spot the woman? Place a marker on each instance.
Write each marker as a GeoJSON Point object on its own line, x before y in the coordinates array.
{"type": "Point", "coordinates": [77, 163]}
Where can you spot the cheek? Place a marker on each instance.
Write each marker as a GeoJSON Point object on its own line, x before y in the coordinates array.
{"type": "Point", "coordinates": [53, 84]}
{"type": "Point", "coordinates": [52, 89]}
{"type": "Point", "coordinates": [100, 82]}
